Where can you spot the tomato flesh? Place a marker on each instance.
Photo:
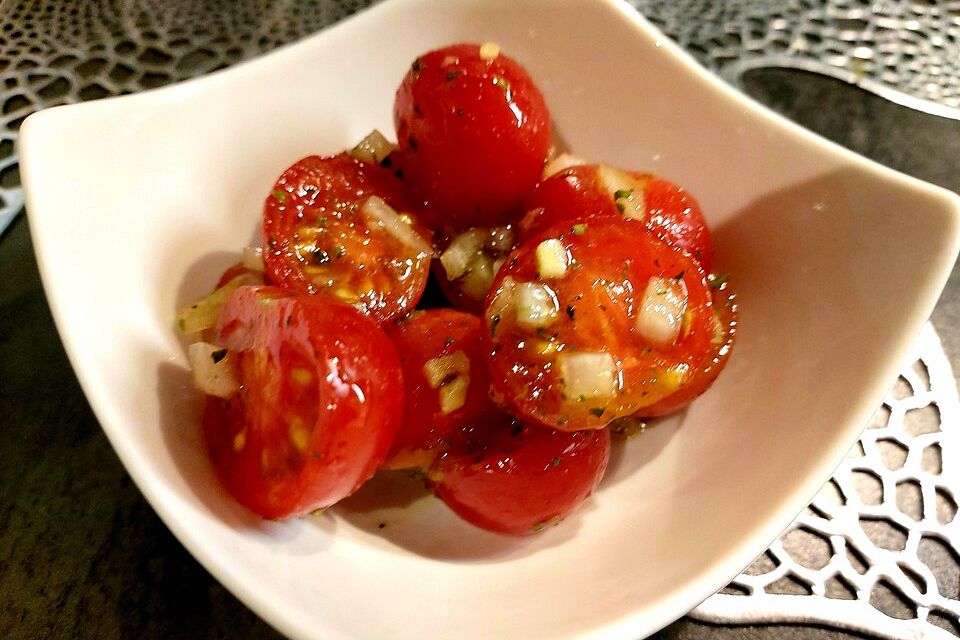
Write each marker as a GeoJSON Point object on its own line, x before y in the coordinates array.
{"type": "Point", "coordinates": [320, 397]}
{"type": "Point", "coordinates": [317, 238]}
{"type": "Point", "coordinates": [578, 194]}
{"type": "Point", "coordinates": [473, 135]}
{"type": "Point", "coordinates": [519, 480]}
{"type": "Point", "coordinates": [437, 338]}
{"type": "Point", "coordinates": [705, 372]}
{"type": "Point", "coordinates": [588, 362]}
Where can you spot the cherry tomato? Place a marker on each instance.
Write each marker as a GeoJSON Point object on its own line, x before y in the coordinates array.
{"type": "Point", "coordinates": [703, 374]}
{"type": "Point", "coordinates": [521, 479]}
{"type": "Point", "coordinates": [446, 381]}
{"type": "Point", "coordinates": [583, 192]}
{"type": "Point", "coordinates": [593, 322]}
{"type": "Point", "coordinates": [320, 399]}
{"type": "Point", "coordinates": [320, 236]}
{"type": "Point", "coordinates": [473, 135]}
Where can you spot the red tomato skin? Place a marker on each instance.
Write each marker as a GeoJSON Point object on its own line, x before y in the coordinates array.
{"type": "Point", "coordinates": [522, 479]}
{"type": "Point", "coordinates": [350, 408]}
{"type": "Point", "coordinates": [576, 195]}
{"type": "Point", "coordinates": [331, 189]}
{"type": "Point", "coordinates": [426, 430]}
{"type": "Point", "coordinates": [619, 253]}
{"type": "Point", "coordinates": [473, 135]}
{"type": "Point", "coordinates": [706, 372]}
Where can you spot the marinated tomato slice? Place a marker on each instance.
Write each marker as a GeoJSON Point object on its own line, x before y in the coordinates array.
{"type": "Point", "coordinates": [583, 192]}
{"type": "Point", "coordinates": [446, 381]}
{"type": "Point", "coordinates": [319, 401]}
{"type": "Point", "coordinates": [593, 322]}
{"type": "Point", "coordinates": [519, 480]}
{"type": "Point", "coordinates": [473, 132]}
{"type": "Point", "coordinates": [340, 226]}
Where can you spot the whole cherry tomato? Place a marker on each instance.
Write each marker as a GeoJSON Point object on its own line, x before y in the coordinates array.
{"type": "Point", "coordinates": [473, 131]}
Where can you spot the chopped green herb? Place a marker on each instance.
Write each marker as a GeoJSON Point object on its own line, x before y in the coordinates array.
{"type": "Point", "coordinates": [503, 83]}
{"type": "Point", "coordinates": [381, 525]}
{"type": "Point", "coordinates": [622, 193]}
{"type": "Point", "coordinates": [340, 251]}
{"type": "Point", "coordinates": [647, 351]}
{"type": "Point", "coordinates": [182, 324]}
{"type": "Point", "coordinates": [537, 527]}
{"type": "Point", "coordinates": [571, 311]}
{"type": "Point", "coordinates": [321, 257]}
{"type": "Point", "coordinates": [316, 455]}
{"type": "Point", "coordinates": [452, 74]}
{"type": "Point", "coordinates": [280, 195]}
{"type": "Point", "coordinates": [679, 276]}
{"type": "Point", "coordinates": [555, 462]}
{"type": "Point", "coordinates": [448, 342]}
{"type": "Point", "coordinates": [417, 65]}
{"type": "Point", "coordinates": [322, 222]}
{"type": "Point", "coordinates": [578, 229]}
{"type": "Point", "coordinates": [581, 398]}
{"type": "Point", "coordinates": [620, 206]}
{"type": "Point", "coordinates": [218, 355]}
{"type": "Point", "coordinates": [459, 113]}
{"type": "Point", "coordinates": [597, 411]}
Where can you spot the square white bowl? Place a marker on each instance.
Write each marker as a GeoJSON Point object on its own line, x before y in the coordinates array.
{"type": "Point", "coordinates": [137, 203]}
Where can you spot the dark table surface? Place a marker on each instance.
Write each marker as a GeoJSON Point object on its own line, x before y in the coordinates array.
{"type": "Point", "coordinates": [82, 555]}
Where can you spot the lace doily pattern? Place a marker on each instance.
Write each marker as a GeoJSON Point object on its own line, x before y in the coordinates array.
{"type": "Point", "coordinates": [877, 549]}
{"type": "Point", "coordinates": [905, 50]}
{"type": "Point", "coordinates": [54, 53]}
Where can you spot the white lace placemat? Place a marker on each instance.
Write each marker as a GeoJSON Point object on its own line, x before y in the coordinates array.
{"type": "Point", "coordinates": [877, 550]}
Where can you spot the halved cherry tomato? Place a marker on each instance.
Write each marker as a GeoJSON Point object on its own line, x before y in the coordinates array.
{"type": "Point", "coordinates": [446, 381]}
{"type": "Point", "coordinates": [320, 399]}
{"type": "Point", "coordinates": [519, 480]}
{"type": "Point", "coordinates": [583, 192]}
{"type": "Point", "coordinates": [614, 330]}
{"type": "Point", "coordinates": [703, 374]}
{"type": "Point", "coordinates": [319, 236]}
{"type": "Point", "coordinates": [473, 135]}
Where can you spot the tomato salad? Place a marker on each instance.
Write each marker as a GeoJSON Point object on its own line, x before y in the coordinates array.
{"type": "Point", "coordinates": [581, 296]}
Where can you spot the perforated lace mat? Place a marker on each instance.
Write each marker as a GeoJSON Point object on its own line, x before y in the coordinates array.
{"type": "Point", "coordinates": [877, 551]}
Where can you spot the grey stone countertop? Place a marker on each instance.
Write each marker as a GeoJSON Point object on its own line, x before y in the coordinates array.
{"type": "Point", "coordinates": [82, 555]}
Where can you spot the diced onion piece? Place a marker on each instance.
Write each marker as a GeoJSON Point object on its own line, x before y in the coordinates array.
{"type": "Point", "coordinates": [536, 305]}
{"type": "Point", "coordinates": [489, 51]}
{"type": "Point", "coordinates": [380, 215]}
{"type": "Point", "coordinates": [587, 375]}
{"type": "Point", "coordinates": [373, 148]}
{"type": "Point", "coordinates": [501, 300]}
{"type": "Point", "coordinates": [661, 310]}
{"type": "Point", "coordinates": [478, 277]}
{"type": "Point", "coordinates": [203, 313]}
{"type": "Point", "coordinates": [673, 378]}
{"type": "Point", "coordinates": [552, 259]}
{"type": "Point", "coordinates": [501, 239]}
{"type": "Point", "coordinates": [212, 370]}
{"type": "Point", "coordinates": [559, 163]}
{"type": "Point", "coordinates": [627, 192]}
{"type": "Point", "coordinates": [443, 368]}
{"type": "Point", "coordinates": [461, 252]}
{"type": "Point", "coordinates": [252, 258]}
{"type": "Point", "coordinates": [451, 375]}
{"type": "Point", "coordinates": [453, 395]}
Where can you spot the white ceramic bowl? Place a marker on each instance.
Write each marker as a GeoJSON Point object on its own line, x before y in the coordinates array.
{"type": "Point", "coordinates": [136, 204]}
